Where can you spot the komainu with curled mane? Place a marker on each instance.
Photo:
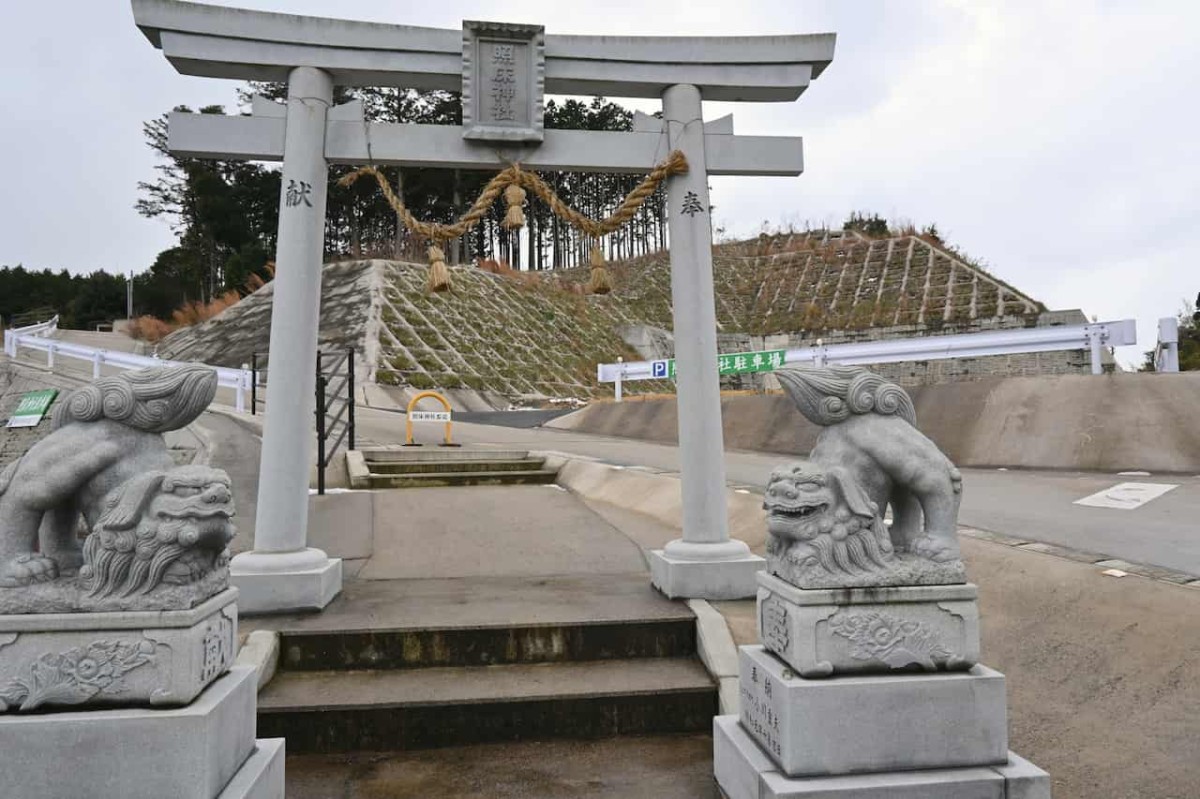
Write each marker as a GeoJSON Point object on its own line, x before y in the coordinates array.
{"type": "Point", "coordinates": [157, 533]}
{"type": "Point", "coordinates": [826, 514]}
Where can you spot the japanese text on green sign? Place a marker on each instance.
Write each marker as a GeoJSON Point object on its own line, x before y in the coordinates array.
{"type": "Point", "coordinates": [733, 363]}
{"type": "Point", "coordinates": [32, 407]}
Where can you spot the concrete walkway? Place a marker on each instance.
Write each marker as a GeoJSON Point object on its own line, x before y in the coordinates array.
{"type": "Point", "coordinates": [493, 531]}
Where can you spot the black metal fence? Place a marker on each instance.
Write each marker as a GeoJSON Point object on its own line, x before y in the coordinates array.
{"type": "Point", "coordinates": [258, 377]}
{"type": "Point", "coordinates": [334, 407]}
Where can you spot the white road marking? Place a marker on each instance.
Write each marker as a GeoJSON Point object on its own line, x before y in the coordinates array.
{"type": "Point", "coordinates": [1114, 572]}
{"type": "Point", "coordinates": [1133, 474]}
{"type": "Point", "coordinates": [1126, 496]}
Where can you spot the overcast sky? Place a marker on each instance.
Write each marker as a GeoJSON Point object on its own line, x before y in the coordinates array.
{"type": "Point", "coordinates": [1055, 141]}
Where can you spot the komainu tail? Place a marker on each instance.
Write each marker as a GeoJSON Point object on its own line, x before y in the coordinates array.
{"type": "Point", "coordinates": [831, 394]}
{"type": "Point", "coordinates": [154, 400]}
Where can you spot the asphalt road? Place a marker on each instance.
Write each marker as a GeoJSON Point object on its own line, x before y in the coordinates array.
{"type": "Point", "coordinates": [1034, 505]}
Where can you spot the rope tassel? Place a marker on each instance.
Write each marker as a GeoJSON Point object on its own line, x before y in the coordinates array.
{"type": "Point", "coordinates": [601, 283]}
{"type": "Point", "coordinates": [439, 273]}
{"type": "Point", "coordinates": [514, 195]}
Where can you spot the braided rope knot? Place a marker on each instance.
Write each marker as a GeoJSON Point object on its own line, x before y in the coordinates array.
{"type": "Point", "coordinates": [512, 182]}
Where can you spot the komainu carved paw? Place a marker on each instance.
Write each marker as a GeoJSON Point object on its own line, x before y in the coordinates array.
{"type": "Point", "coordinates": [934, 549]}
{"type": "Point", "coordinates": [68, 560]}
{"type": "Point", "coordinates": [27, 569]}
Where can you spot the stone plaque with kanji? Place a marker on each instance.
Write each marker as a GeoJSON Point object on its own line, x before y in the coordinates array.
{"type": "Point", "coordinates": [502, 84]}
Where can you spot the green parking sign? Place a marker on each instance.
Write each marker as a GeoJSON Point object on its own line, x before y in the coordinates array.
{"type": "Point", "coordinates": [738, 363]}
{"type": "Point", "coordinates": [32, 408]}
{"type": "Point", "coordinates": [733, 363]}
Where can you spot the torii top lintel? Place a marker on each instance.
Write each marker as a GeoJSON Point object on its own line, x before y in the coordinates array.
{"type": "Point", "coordinates": [218, 42]}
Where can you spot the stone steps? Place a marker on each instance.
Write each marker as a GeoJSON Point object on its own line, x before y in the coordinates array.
{"type": "Point", "coordinates": [464, 478]}
{"type": "Point", "coordinates": [409, 455]}
{"type": "Point", "coordinates": [668, 766]}
{"type": "Point", "coordinates": [430, 467]}
{"type": "Point", "coordinates": [417, 664]}
{"type": "Point", "coordinates": [488, 645]}
{"type": "Point", "coordinates": [391, 468]}
{"type": "Point", "coordinates": [337, 711]}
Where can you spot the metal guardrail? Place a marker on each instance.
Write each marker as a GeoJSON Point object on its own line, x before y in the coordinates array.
{"type": "Point", "coordinates": [1166, 351]}
{"type": "Point", "coordinates": [1092, 337]}
{"type": "Point", "coordinates": [36, 329]}
{"type": "Point", "coordinates": [36, 339]}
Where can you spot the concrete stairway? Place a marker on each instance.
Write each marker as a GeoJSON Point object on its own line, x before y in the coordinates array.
{"type": "Point", "coordinates": [399, 665]}
{"type": "Point", "coordinates": [391, 468]}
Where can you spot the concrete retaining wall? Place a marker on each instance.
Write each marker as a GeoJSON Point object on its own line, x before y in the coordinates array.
{"type": "Point", "coordinates": [1112, 422]}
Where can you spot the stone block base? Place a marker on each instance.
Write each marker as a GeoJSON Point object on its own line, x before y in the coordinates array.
{"type": "Point", "coordinates": [733, 578]}
{"type": "Point", "coordinates": [261, 777]}
{"type": "Point", "coordinates": [860, 724]}
{"type": "Point", "coordinates": [116, 658]}
{"type": "Point", "coordinates": [826, 631]}
{"type": "Point", "coordinates": [191, 752]}
{"type": "Point", "coordinates": [287, 591]}
{"type": "Point", "coordinates": [744, 771]}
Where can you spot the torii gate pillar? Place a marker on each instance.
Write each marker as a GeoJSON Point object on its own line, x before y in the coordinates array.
{"type": "Point", "coordinates": [706, 563]}
{"type": "Point", "coordinates": [282, 572]}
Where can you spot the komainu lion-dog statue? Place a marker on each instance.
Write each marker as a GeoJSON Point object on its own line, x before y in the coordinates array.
{"type": "Point", "coordinates": [150, 524]}
{"type": "Point", "coordinates": [826, 514]}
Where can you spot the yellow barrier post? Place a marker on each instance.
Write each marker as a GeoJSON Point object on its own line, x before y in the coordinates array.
{"type": "Point", "coordinates": [435, 415]}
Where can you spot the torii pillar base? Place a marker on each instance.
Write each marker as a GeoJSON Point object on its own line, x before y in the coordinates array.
{"type": "Point", "coordinates": [685, 570]}
{"type": "Point", "coordinates": [285, 582]}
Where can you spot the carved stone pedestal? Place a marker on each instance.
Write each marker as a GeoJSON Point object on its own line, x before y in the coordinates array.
{"type": "Point", "coordinates": [205, 750]}
{"type": "Point", "coordinates": [869, 693]}
{"type": "Point", "coordinates": [116, 658]}
{"type": "Point", "coordinates": [864, 723]}
{"type": "Point", "coordinates": [826, 631]}
{"type": "Point", "coordinates": [743, 770]}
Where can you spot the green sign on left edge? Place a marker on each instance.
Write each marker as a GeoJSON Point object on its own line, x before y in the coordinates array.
{"type": "Point", "coordinates": [32, 407]}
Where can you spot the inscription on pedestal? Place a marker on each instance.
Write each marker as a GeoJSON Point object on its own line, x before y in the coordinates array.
{"type": "Point", "coordinates": [775, 625]}
{"type": "Point", "coordinates": [760, 715]}
{"type": "Point", "coordinates": [216, 651]}
{"type": "Point", "coordinates": [503, 79]}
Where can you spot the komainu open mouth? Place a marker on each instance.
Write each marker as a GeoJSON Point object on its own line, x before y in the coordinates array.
{"type": "Point", "coordinates": [798, 511]}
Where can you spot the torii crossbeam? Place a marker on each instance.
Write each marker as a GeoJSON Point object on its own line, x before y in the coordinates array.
{"type": "Point", "coordinates": [503, 72]}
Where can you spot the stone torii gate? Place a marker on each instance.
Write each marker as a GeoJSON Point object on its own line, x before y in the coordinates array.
{"type": "Point", "coordinates": [503, 71]}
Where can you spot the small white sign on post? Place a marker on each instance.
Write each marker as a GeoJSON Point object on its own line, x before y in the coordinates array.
{"type": "Point", "coordinates": [429, 416]}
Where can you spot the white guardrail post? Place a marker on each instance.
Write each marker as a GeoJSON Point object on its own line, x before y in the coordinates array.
{"type": "Point", "coordinates": [1091, 337]}
{"type": "Point", "coordinates": [620, 370]}
{"type": "Point", "coordinates": [1166, 352]}
{"type": "Point", "coordinates": [1095, 340]}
